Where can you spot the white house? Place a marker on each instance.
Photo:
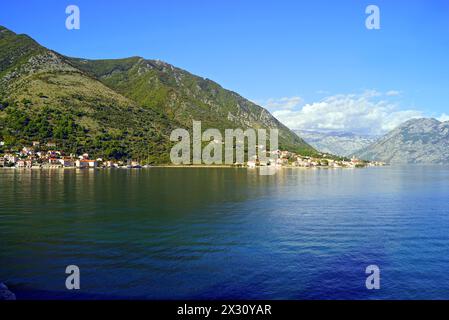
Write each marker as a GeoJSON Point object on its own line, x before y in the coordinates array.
{"type": "Point", "coordinates": [84, 163]}
{"type": "Point", "coordinates": [24, 164]}
{"type": "Point", "coordinates": [53, 161]}
{"type": "Point", "coordinates": [282, 161]}
{"type": "Point", "coordinates": [11, 158]}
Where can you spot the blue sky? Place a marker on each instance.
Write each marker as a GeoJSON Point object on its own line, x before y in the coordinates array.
{"type": "Point", "coordinates": [276, 53]}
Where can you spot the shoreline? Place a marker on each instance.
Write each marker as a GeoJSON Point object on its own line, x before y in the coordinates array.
{"type": "Point", "coordinates": [184, 166]}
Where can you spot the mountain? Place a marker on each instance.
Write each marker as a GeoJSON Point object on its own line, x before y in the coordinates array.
{"type": "Point", "coordinates": [338, 143]}
{"type": "Point", "coordinates": [43, 97]}
{"type": "Point", "coordinates": [115, 108]}
{"type": "Point", "coordinates": [423, 141]}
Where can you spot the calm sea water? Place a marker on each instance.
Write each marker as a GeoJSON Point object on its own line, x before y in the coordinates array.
{"type": "Point", "coordinates": [174, 233]}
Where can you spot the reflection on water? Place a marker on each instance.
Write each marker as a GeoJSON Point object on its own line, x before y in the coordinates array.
{"type": "Point", "coordinates": [226, 233]}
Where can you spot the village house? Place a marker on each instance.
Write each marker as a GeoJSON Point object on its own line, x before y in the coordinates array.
{"type": "Point", "coordinates": [20, 164]}
{"type": "Point", "coordinates": [27, 151]}
{"type": "Point", "coordinates": [53, 154]}
{"type": "Point", "coordinates": [67, 162]}
{"type": "Point", "coordinates": [285, 154]}
{"type": "Point", "coordinates": [53, 161]}
{"type": "Point", "coordinates": [303, 163]}
{"type": "Point", "coordinates": [51, 144]}
{"type": "Point", "coordinates": [84, 163]}
{"type": "Point", "coordinates": [36, 143]}
{"type": "Point", "coordinates": [276, 153]}
{"type": "Point", "coordinates": [11, 158]}
{"type": "Point", "coordinates": [24, 164]}
{"type": "Point", "coordinates": [282, 162]}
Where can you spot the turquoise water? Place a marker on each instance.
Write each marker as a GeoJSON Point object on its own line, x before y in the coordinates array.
{"type": "Point", "coordinates": [185, 233]}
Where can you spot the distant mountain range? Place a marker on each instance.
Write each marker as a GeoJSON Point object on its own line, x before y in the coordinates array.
{"type": "Point", "coordinates": [124, 108]}
{"type": "Point", "coordinates": [421, 141]}
{"type": "Point", "coordinates": [338, 143]}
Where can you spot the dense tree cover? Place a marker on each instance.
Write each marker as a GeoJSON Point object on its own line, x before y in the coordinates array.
{"type": "Point", "coordinates": [20, 127]}
{"type": "Point", "coordinates": [44, 125]}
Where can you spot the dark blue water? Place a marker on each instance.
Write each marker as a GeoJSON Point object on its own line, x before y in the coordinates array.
{"type": "Point", "coordinates": [173, 233]}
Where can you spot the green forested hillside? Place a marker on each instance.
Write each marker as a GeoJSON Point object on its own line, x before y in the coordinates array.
{"type": "Point", "coordinates": [113, 108]}
{"type": "Point", "coordinates": [184, 97]}
{"type": "Point", "coordinates": [42, 97]}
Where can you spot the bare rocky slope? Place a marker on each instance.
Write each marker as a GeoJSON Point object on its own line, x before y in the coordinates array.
{"type": "Point", "coordinates": [341, 144]}
{"type": "Point", "coordinates": [420, 141]}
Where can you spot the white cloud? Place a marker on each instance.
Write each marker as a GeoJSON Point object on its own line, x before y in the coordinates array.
{"type": "Point", "coordinates": [365, 113]}
{"type": "Point", "coordinates": [444, 117]}
{"type": "Point", "coordinates": [393, 93]}
{"type": "Point", "coordinates": [288, 103]}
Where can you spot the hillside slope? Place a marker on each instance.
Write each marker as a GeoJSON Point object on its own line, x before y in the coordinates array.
{"type": "Point", "coordinates": [184, 97]}
{"type": "Point", "coordinates": [43, 97]}
{"type": "Point", "coordinates": [113, 108]}
{"type": "Point", "coordinates": [422, 141]}
{"type": "Point", "coordinates": [339, 143]}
